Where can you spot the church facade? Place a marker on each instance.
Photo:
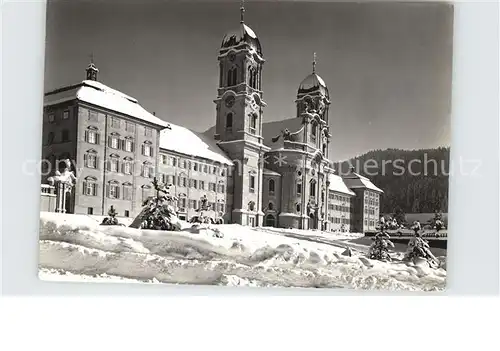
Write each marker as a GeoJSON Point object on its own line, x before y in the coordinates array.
{"type": "Point", "coordinates": [252, 173]}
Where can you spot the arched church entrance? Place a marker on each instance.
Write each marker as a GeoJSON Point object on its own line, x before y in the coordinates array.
{"type": "Point", "coordinates": [270, 221]}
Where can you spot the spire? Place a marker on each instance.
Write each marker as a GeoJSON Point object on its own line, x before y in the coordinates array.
{"type": "Point", "coordinates": [242, 11]}
{"type": "Point", "coordinates": [92, 69]}
{"type": "Point", "coordinates": [314, 63]}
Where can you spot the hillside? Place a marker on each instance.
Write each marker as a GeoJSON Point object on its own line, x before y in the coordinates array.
{"type": "Point", "coordinates": [423, 189]}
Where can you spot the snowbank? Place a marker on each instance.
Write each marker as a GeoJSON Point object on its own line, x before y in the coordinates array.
{"type": "Point", "coordinates": [77, 248]}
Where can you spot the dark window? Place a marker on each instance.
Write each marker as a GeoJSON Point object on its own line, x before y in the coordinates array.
{"type": "Point", "coordinates": [253, 123]}
{"type": "Point", "coordinates": [270, 207]}
{"type": "Point", "coordinates": [252, 183]}
{"type": "Point", "coordinates": [298, 207]}
{"type": "Point", "coordinates": [127, 213]}
{"type": "Point", "coordinates": [65, 135]}
{"type": "Point", "coordinates": [231, 76]}
{"type": "Point", "coordinates": [90, 210]}
{"type": "Point", "coordinates": [312, 189]}
{"type": "Point", "coordinates": [299, 188]}
{"type": "Point", "coordinates": [252, 77]}
{"type": "Point", "coordinates": [229, 121]}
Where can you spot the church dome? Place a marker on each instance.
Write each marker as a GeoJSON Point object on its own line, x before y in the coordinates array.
{"type": "Point", "coordinates": [312, 85]}
{"type": "Point", "coordinates": [244, 34]}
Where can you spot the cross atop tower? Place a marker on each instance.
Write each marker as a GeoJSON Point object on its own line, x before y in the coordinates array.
{"type": "Point", "coordinates": [91, 57]}
{"type": "Point", "coordinates": [242, 11]}
{"type": "Point", "coordinates": [314, 62]}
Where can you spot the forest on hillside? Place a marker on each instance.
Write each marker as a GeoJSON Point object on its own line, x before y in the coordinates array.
{"type": "Point", "coordinates": [416, 181]}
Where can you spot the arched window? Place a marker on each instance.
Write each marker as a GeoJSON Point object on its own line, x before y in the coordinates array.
{"type": "Point", "coordinates": [312, 188]}
{"type": "Point", "coordinates": [229, 121]}
{"type": "Point", "coordinates": [270, 207]}
{"type": "Point", "coordinates": [252, 77]}
{"type": "Point", "coordinates": [271, 186]}
{"type": "Point", "coordinates": [297, 207]}
{"type": "Point", "coordinates": [324, 149]}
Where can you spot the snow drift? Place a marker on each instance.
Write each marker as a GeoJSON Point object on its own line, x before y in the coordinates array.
{"type": "Point", "coordinates": [74, 248]}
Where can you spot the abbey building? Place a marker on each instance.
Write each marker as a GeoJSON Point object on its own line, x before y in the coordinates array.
{"type": "Point", "coordinates": [252, 173]}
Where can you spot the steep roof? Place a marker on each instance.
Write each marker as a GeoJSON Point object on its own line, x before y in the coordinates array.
{"type": "Point", "coordinates": [338, 185]}
{"type": "Point", "coordinates": [188, 142]}
{"type": "Point", "coordinates": [101, 95]}
{"type": "Point", "coordinates": [354, 180]}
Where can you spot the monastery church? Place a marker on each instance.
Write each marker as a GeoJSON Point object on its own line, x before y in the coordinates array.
{"type": "Point", "coordinates": [252, 172]}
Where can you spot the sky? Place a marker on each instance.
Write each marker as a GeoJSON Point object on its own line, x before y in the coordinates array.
{"type": "Point", "coordinates": [387, 66]}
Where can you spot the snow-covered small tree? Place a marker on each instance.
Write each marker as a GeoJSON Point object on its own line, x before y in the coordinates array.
{"type": "Point", "coordinates": [111, 220]}
{"type": "Point", "coordinates": [159, 209]}
{"type": "Point", "coordinates": [437, 222]}
{"type": "Point", "coordinates": [379, 250]}
{"type": "Point", "coordinates": [419, 248]}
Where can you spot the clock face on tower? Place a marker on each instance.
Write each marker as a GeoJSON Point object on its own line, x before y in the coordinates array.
{"type": "Point", "coordinates": [230, 101]}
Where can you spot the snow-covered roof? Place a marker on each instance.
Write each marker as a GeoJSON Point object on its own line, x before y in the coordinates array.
{"type": "Point", "coordinates": [313, 83]}
{"type": "Point", "coordinates": [269, 172]}
{"type": "Point", "coordinates": [338, 185]}
{"type": "Point", "coordinates": [355, 180]}
{"type": "Point", "coordinates": [274, 128]}
{"type": "Point", "coordinates": [185, 141]}
{"type": "Point", "coordinates": [244, 34]}
{"type": "Point", "coordinates": [101, 95]}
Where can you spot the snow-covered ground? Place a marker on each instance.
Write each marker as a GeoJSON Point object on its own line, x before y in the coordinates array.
{"type": "Point", "coordinates": [77, 248]}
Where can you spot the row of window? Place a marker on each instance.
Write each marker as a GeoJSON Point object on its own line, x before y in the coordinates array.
{"type": "Point", "coordinates": [115, 122]}
{"type": "Point", "coordinates": [338, 208]}
{"type": "Point", "coordinates": [370, 223]}
{"type": "Point", "coordinates": [52, 116]}
{"type": "Point", "coordinates": [114, 164]}
{"type": "Point", "coordinates": [92, 136]}
{"type": "Point", "coordinates": [338, 220]}
{"type": "Point", "coordinates": [192, 183]}
{"type": "Point", "coordinates": [369, 210]}
{"type": "Point", "coordinates": [232, 77]}
{"type": "Point", "coordinates": [196, 205]}
{"type": "Point", "coordinates": [252, 122]}
{"type": "Point", "coordinates": [192, 165]}
{"type": "Point", "coordinates": [338, 197]}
